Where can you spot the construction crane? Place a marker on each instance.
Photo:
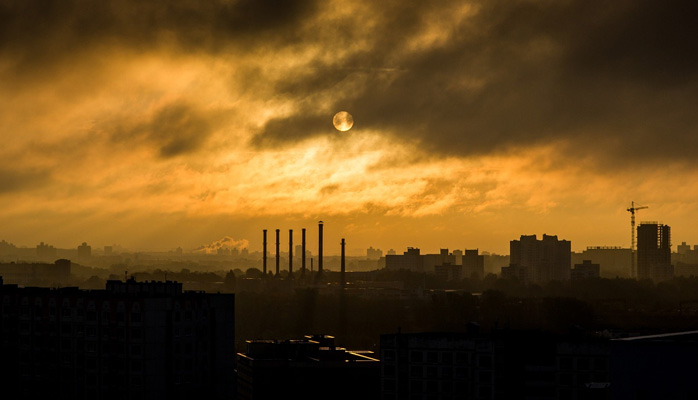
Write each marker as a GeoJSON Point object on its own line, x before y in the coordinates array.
{"type": "Point", "coordinates": [632, 210]}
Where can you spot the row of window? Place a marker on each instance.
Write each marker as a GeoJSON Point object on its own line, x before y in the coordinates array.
{"type": "Point", "coordinates": [443, 357]}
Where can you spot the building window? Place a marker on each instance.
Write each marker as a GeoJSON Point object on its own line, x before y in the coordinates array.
{"type": "Point", "coordinates": [416, 356]}
{"type": "Point", "coordinates": [485, 361]}
{"type": "Point", "coordinates": [432, 372]}
{"type": "Point", "coordinates": [432, 357]}
{"type": "Point", "coordinates": [136, 317]}
{"type": "Point", "coordinates": [583, 364]}
{"type": "Point", "coordinates": [600, 364]}
{"type": "Point", "coordinates": [565, 363]}
{"type": "Point", "coordinates": [446, 358]}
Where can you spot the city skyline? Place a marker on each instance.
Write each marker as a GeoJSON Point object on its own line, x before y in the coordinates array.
{"type": "Point", "coordinates": [474, 122]}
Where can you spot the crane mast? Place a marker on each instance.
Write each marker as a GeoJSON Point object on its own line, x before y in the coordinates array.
{"type": "Point", "coordinates": [632, 210]}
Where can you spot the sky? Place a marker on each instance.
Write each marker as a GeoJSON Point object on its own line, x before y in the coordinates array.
{"type": "Point", "coordinates": [154, 125]}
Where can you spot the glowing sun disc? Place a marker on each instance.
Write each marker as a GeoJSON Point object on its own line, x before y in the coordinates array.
{"type": "Point", "coordinates": [343, 121]}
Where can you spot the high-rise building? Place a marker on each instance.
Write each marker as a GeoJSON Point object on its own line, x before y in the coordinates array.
{"type": "Point", "coordinates": [84, 251]}
{"type": "Point", "coordinates": [373, 254]}
{"type": "Point", "coordinates": [654, 251]}
{"type": "Point", "coordinates": [539, 261]}
{"type": "Point", "coordinates": [134, 340]}
{"type": "Point", "coordinates": [473, 264]}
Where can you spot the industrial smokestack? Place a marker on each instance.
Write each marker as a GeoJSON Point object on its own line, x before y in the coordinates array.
{"type": "Point", "coordinates": [264, 256]}
{"type": "Point", "coordinates": [303, 250]}
{"type": "Point", "coordinates": [342, 270]}
{"type": "Point", "coordinates": [290, 252]}
{"type": "Point", "coordinates": [319, 252]}
{"type": "Point", "coordinates": [277, 252]}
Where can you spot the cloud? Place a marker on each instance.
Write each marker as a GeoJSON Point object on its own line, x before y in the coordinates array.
{"type": "Point", "coordinates": [172, 130]}
{"type": "Point", "coordinates": [617, 79]}
{"type": "Point", "coordinates": [48, 28]}
{"type": "Point", "coordinates": [13, 180]}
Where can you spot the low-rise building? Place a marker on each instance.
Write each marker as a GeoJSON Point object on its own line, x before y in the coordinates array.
{"type": "Point", "coordinates": [309, 368]}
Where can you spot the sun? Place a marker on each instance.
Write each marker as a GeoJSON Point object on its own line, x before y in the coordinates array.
{"type": "Point", "coordinates": [343, 121]}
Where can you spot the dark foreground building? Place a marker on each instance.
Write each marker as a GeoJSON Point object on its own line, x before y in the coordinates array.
{"type": "Point", "coordinates": [533, 365]}
{"type": "Point", "coordinates": [656, 366]}
{"type": "Point", "coordinates": [310, 368]}
{"type": "Point", "coordinates": [134, 340]}
{"type": "Point", "coordinates": [501, 365]}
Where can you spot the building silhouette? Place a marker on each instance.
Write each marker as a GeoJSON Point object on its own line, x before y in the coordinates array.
{"type": "Point", "coordinates": [459, 266]}
{"type": "Point", "coordinates": [498, 365]}
{"type": "Point", "coordinates": [45, 252]}
{"type": "Point", "coordinates": [613, 260]}
{"type": "Point", "coordinates": [585, 270]}
{"type": "Point", "coordinates": [539, 261]}
{"type": "Point", "coordinates": [35, 274]}
{"type": "Point", "coordinates": [410, 260]}
{"type": "Point", "coordinates": [373, 254]}
{"type": "Point", "coordinates": [473, 264]}
{"type": "Point", "coordinates": [654, 251]}
{"type": "Point", "coordinates": [84, 251]}
{"type": "Point", "coordinates": [309, 368]}
{"type": "Point", "coordinates": [133, 340]}
{"type": "Point", "coordinates": [659, 366]}
{"type": "Point", "coordinates": [413, 260]}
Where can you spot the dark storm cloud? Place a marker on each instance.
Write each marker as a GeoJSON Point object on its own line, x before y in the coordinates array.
{"type": "Point", "coordinates": [17, 180]}
{"type": "Point", "coordinates": [615, 78]}
{"type": "Point", "coordinates": [38, 34]}
{"type": "Point", "coordinates": [175, 129]}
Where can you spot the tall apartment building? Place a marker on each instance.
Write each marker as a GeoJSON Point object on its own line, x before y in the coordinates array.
{"type": "Point", "coordinates": [133, 340]}
{"type": "Point", "coordinates": [473, 264]}
{"type": "Point", "coordinates": [654, 251]}
{"type": "Point", "coordinates": [539, 261]}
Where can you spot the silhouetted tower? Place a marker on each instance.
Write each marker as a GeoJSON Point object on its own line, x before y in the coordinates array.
{"type": "Point", "coordinates": [653, 250]}
{"type": "Point", "coordinates": [303, 251]}
{"type": "Point", "coordinates": [342, 278]}
{"type": "Point", "coordinates": [264, 250]}
{"type": "Point", "coordinates": [277, 252]}
{"type": "Point", "coordinates": [632, 210]}
{"type": "Point", "coordinates": [319, 252]}
{"type": "Point", "coordinates": [290, 252]}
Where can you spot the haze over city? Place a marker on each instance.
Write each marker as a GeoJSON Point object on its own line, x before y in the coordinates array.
{"type": "Point", "coordinates": [257, 199]}
{"type": "Point", "coordinates": [155, 127]}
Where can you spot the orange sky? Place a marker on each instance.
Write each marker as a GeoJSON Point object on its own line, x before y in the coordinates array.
{"type": "Point", "coordinates": [154, 127]}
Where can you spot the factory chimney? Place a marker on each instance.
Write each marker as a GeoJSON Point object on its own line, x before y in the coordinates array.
{"type": "Point", "coordinates": [319, 255]}
{"type": "Point", "coordinates": [277, 252]}
{"type": "Point", "coordinates": [290, 253]}
{"type": "Point", "coordinates": [264, 251]}
{"type": "Point", "coordinates": [342, 278]}
{"type": "Point", "coordinates": [303, 251]}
